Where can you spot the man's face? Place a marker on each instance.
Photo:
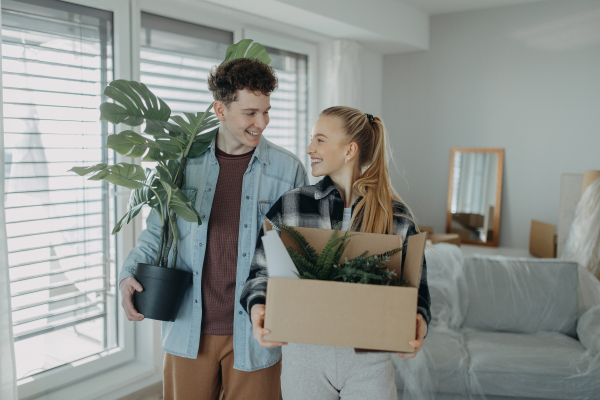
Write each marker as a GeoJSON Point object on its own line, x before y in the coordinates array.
{"type": "Point", "coordinates": [243, 122]}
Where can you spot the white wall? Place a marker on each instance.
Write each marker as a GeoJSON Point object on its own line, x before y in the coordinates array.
{"type": "Point", "coordinates": [370, 82]}
{"type": "Point", "coordinates": [525, 78]}
{"type": "Point", "coordinates": [371, 67]}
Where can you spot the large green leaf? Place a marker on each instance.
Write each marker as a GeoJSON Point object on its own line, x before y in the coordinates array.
{"type": "Point", "coordinates": [82, 171]}
{"type": "Point", "coordinates": [179, 203]}
{"type": "Point", "coordinates": [183, 207]}
{"type": "Point", "coordinates": [127, 175]}
{"type": "Point", "coordinates": [134, 145]}
{"type": "Point", "coordinates": [201, 143]}
{"type": "Point", "coordinates": [137, 200]}
{"type": "Point", "coordinates": [196, 123]}
{"type": "Point", "coordinates": [247, 48]}
{"type": "Point", "coordinates": [134, 103]}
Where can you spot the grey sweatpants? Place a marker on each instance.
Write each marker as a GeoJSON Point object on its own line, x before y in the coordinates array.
{"type": "Point", "coordinates": [311, 372]}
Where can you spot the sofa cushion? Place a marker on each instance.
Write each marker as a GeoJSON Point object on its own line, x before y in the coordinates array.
{"type": "Point", "coordinates": [443, 366]}
{"type": "Point", "coordinates": [544, 365]}
{"type": "Point", "coordinates": [588, 329]}
{"type": "Point", "coordinates": [521, 294]}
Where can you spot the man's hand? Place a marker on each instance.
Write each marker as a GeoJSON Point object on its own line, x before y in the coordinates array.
{"type": "Point", "coordinates": [418, 343]}
{"type": "Point", "coordinates": [257, 315]}
{"type": "Point", "coordinates": [127, 287]}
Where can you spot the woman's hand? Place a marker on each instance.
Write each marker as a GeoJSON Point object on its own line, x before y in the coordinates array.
{"type": "Point", "coordinates": [417, 343]}
{"type": "Point", "coordinates": [257, 316]}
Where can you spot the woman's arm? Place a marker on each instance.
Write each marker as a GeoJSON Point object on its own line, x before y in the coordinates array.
{"type": "Point", "coordinates": [253, 296]}
{"type": "Point", "coordinates": [255, 288]}
{"type": "Point", "coordinates": [406, 228]}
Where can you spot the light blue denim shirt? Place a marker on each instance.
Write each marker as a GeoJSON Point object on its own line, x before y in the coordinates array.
{"type": "Point", "coordinates": [272, 171]}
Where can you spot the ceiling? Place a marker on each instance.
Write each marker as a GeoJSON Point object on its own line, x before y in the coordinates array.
{"type": "Point", "coordinates": [436, 7]}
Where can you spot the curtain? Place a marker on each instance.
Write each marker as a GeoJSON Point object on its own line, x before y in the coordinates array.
{"type": "Point", "coordinates": [343, 74]}
{"type": "Point", "coordinates": [474, 187]}
{"type": "Point", "coordinates": [8, 383]}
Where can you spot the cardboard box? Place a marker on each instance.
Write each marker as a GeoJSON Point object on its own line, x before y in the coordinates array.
{"type": "Point", "coordinates": [469, 220]}
{"type": "Point", "coordinates": [542, 239]}
{"type": "Point", "coordinates": [464, 234]}
{"type": "Point", "coordinates": [369, 317]}
{"type": "Point", "coordinates": [426, 228]}
{"type": "Point", "coordinates": [452, 238]}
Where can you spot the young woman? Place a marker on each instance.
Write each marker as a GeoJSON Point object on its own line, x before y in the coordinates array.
{"type": "Point", "coordinates": [348, 148]}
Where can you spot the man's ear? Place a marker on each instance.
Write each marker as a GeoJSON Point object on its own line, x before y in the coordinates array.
{"type": "Point", "coordinates": [219, 109]}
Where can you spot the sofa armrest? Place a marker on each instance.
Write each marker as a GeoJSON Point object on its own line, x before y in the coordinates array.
{"type": "Point", "coordinates": [588, 329]}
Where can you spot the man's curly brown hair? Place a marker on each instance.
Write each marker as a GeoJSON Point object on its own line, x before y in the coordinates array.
{"type": "Point", "coordinates": [239, 74]}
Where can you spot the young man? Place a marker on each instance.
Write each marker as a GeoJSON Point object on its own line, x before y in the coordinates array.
{"type": "Point", "coordinates": [210, 346]}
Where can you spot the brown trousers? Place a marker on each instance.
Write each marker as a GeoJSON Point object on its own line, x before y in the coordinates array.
{"type": "Point", "coordinates": [212, 373]}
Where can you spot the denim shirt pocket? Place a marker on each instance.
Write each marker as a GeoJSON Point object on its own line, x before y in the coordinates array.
{"type": "Point", "coordinates": [184, 227]}
{"type": "Point", "coordinates": [263, 208]}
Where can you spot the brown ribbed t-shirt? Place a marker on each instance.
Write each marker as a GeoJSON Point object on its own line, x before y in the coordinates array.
{"type": "Point", "coordinates": [220, 260]}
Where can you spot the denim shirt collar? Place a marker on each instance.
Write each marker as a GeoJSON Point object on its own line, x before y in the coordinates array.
{"type": "Point", "coordinates": [260, 153]}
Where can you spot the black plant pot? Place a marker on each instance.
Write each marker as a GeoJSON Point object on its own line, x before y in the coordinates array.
{"type": "Point", "coordinates": [163, 291]}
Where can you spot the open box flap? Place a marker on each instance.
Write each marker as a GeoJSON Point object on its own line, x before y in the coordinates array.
{"type": "Point", "coordinates": [414, 259]}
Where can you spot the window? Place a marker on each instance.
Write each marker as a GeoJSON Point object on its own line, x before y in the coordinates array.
{"type": "Point", "coordinates": [288, 127]}
{"type": "Point", "coordinates": [57, 59]}
{"type": "Point", "coordinates": [175, 59]}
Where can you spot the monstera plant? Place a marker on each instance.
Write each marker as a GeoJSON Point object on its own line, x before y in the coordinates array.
{"type": "Point", "coordinates": [169, 141]}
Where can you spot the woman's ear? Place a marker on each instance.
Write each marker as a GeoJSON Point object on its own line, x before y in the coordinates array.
{"type": "Point", "coordinates": [351, 151]}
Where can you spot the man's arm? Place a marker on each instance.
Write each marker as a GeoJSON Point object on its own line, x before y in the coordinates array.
{"type": "Point", "coordinates": [147, 247]}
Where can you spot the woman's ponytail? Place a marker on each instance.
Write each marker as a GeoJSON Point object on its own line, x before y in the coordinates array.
{"type": "Point", "coordinates": [375, 212]}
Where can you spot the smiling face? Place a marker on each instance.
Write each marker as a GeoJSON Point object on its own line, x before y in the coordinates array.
{"type": "Point", "coordinates": [243, 122]}
{"type": "Point", "coordinates": [329, 148]}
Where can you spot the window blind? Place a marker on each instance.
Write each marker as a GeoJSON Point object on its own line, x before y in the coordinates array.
{"type": "Point", "coordinates": [288, 127]}
{"type": "Point", "coordinates": [57, 59]}
{"type": "Point", "coordinates": [175, 59]}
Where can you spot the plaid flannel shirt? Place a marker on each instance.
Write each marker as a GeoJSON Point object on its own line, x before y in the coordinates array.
{"type": "Point", "coordinates": [320, 206]}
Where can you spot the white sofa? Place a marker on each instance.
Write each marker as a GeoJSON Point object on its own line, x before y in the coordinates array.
{"type": "Point", "coordinates": [506, 328]}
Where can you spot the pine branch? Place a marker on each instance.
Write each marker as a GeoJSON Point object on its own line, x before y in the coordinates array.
{"type": "Point", "coordinates": [301, 263]}
{"type": "Point", "coordinates": [367, 269]}
{"type": "Point", "coordinates": [309, 252]}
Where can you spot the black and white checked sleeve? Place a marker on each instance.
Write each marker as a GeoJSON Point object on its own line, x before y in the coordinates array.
{"type": "Point", "coordinates": [255, 288]}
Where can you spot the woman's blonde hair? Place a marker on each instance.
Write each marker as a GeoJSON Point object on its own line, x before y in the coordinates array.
{"type": "Point", "coordinates": [375, 212]}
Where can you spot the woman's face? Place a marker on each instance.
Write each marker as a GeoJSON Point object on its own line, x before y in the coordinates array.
{"type": "Point", "coordinates": [328, 147]}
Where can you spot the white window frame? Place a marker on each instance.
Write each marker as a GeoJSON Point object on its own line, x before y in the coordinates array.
{"type": "Point", "coordinates": [137, 362]}
{"type": "Point", "coordinates": [69, 381]}
{"type": "Point", "coordinates": [212, 16]}
{"type": "Point", "coordinates": [294, 45]}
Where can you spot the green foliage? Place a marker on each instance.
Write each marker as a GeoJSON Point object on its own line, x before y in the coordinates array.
{"type": "Point", "coordinates": [138, 198]}
{"type": "Point", "coordinates": [133, 104]}
{"type": "Point", "coordinates": [242, 49]}
{"type": "Point", "coordinates": [134, 145]}
{"type": "Point", "coordinates": [171, 141]}
{"type": "Point", "coordinates": [326, 266]}
{"type": "Point", "coordinates": [130, 176]}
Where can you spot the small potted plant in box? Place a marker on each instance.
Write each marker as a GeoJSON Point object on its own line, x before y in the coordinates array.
{"type": "Point", "coordinates": [327, 266]}
{"type": "Point", "coordinates": [173, 140]}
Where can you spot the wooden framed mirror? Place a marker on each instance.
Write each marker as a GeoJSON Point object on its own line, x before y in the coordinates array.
{"type": "Point", "coordinates": [475, 194]}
